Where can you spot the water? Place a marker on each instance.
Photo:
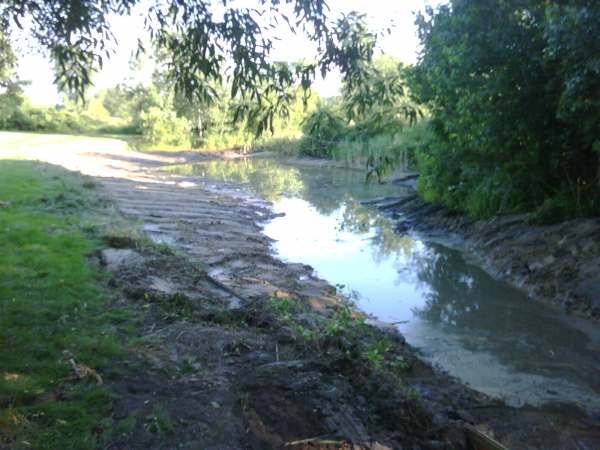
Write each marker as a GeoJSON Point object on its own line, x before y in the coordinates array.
{"type": "Point", "coordinates": [487, 333]}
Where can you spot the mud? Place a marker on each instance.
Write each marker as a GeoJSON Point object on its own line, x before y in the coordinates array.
{"type": "Point", "coordinates": [208, 375]}
{"type": "Point", "coordinates": [218, 366]}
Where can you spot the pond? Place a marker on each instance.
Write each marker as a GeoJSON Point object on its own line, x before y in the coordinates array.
{"type": "Point", "coordinates": [483, 331]}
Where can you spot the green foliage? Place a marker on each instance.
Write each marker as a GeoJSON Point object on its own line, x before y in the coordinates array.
{"type": "Point", "coordinates": [43, 118]}
{"type": "Point", "coordinates": [346, 320]}
{"type": "Point", "coordinates": [572, 30]}
{"type": "Point", "coordinates": [51, 301]}
{"type": "Point", "coordinates": [286, 309]}
{"type": "Point", "coordinates": [199, 46]}
{"type": "Point", "coordinates": [514, 105]}
{"type": "Point", "coordinates": [367, 124]}
{"type": "Point", "coordinates": [158, 421]}
{"type": "Point", "coordinates": [324, 129]}
{"type": "Point", "coordinates": [8, 59]}
{"type": "Point", "coordinates": [377, 354]}
{"type": "Point", "coordinates": [163, 127]}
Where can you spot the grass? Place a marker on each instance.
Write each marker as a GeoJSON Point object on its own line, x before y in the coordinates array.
{"type": "Point", "coordinates": [51, 302]}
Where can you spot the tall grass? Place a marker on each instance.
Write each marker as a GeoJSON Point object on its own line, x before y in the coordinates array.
{"type": "Point", "coordinates": [400, 147]}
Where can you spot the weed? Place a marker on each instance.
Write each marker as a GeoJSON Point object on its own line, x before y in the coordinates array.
{"type": "Point", "coordinates": [158, 421]}
{"type": "Point", "coordinates": [186, 367]}
{"type": "Point", "coordinates": [165, 249]}
{"type": "Point", "coordinates": [374, 352]}
{"type": "Point", "coordinates": [347, 321]}
{"type": "Point", "coordinates": [399, 363]}
{"type": "Point", "coordinates": [128, 424]}
{"type": "Point", "coordinates": [413, 393]}
{"type": "Point", "coordinates": [285, 309]}
{"type": "Point", "coordinates": [177, 304]}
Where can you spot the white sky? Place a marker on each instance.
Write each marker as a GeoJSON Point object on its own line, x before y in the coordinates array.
{"type": "Point", "coordinates": [381, 14]}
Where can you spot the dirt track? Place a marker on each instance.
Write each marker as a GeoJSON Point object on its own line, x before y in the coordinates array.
{"type": "Point", "coordinates": [217, 368]}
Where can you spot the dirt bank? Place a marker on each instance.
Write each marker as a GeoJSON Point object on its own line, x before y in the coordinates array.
{"type": "Point", "coordinates": [238, 350]}
{"type": "Point", "coordinates": [557, 264]}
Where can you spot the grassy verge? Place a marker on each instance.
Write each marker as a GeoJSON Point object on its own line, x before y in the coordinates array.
{"type": "Point", "coordinates": [53, 307]}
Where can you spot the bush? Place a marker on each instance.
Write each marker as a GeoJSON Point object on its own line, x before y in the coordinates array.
{"type": "Point", "coordinates": [42, 119]}
{"type": "Point", "coordinates": [163, 127]}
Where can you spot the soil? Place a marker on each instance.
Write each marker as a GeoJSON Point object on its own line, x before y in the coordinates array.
{"type": "Point", "coordinates": [218, 366]}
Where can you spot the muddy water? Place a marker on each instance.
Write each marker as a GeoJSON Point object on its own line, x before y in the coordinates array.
{"type": "Point", "coordinates": [490, 335]}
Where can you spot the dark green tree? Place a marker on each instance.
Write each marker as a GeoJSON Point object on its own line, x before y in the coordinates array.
{"type": "Point", "coordinates": [497, 76]}
{"type": "Point", "coordinates": [572, 30]}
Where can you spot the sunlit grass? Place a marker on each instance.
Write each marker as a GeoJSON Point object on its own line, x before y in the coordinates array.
{"type": "Point", "coordinates": [51, 302]}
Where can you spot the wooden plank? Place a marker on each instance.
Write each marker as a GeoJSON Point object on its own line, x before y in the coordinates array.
{"type": "Point", "coordinates": [476, 440]}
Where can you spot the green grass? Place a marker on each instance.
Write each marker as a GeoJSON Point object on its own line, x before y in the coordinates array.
{"type": "Point", "coordinates": [51, 301]}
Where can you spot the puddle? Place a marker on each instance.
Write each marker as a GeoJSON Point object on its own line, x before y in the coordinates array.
{"type": "Point", "coordinates": [487, 333]}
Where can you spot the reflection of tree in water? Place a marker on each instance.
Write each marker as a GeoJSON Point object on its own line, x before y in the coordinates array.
{"type": "Point", "coordinates": [465, 297]}
{"type": "Point", "coordinates": [267, 178]}
{"type": "Point", "coordinates": [328, 191]}
{"type": "Point", "coordinates": [453, 291]}
{"type": "Point", "coordinates": [385, 244]}
{"type": "Point", "coordinates": [485, 314]}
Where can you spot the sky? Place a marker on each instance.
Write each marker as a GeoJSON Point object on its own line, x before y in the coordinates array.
{"type": "Point", "coordinates": [380, 15]}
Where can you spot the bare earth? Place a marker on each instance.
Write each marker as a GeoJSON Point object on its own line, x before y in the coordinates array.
{"type": "Point", "coordinates": [216, 368]}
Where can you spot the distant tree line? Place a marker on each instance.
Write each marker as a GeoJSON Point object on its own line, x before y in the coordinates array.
{"type": "Point", "coordinates": [505, 95]}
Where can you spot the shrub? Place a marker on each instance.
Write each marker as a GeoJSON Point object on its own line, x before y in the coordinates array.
{"type": "Point", "coordinates": [163, 127]}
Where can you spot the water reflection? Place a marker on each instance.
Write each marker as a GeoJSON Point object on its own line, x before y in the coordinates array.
{"type": "Point", "coordinates": [481, 330]}
{"type": "Point", "coordinates": [487, 315]}
{"type": "Point", "coordinates": [335, 194]}
{"type": "Point", "coordinates": [268, 179]}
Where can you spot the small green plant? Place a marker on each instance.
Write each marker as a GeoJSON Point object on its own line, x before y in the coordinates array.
{"type": "Point", "coordinates": [186, 367]}
{"type": "Point", "coordinates": [284, 307]}
{"type": "Point", "coordinates": [157, 421]}
{"type": "Point", "coordinates": [177, 304]}
{"type": "Point", "coordinates": [346, 320]}
{"type": "Point", "coordinates": [412, 393]}
{"type": "Point", "coordinates": [281, 306]}
{"type": "Point", "coordinates": [128, 424]}
{"type": "Point", "coordinates": [374, 352]}
{"type": "Point", "coordinates": [399, 363]}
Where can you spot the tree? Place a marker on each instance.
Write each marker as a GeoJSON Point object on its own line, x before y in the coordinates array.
{"type": "Point", "coordinates": [11, 88]}
{"type": "Point", "coordinates": [573, 32]}
{"type": "Point", "coordinates": [200, 44]}
{"type": "Point", "coordinates": [505, 138]}
{"type": "Point", "coordinates": [8, 60]}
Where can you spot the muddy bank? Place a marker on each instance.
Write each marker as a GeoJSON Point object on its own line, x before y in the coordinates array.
{"type": "Point", "coordinates": [557, 264]}
{"type": "Point", "coordinates": [211, 373]}
{"type": "Point", "coordinates": [231, 365]}
{"type": "Point", "coordinates": [238, 350]}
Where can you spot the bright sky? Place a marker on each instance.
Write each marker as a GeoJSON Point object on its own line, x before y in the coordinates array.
{"type": "Point", "coordinates": [381, 14]}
